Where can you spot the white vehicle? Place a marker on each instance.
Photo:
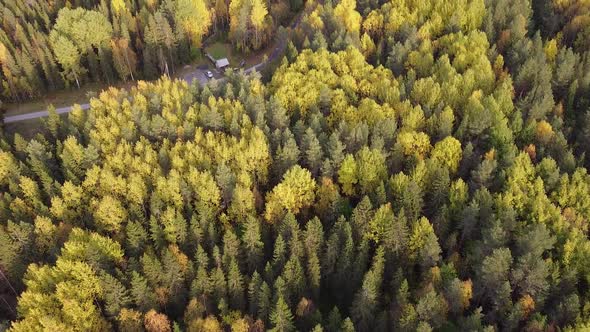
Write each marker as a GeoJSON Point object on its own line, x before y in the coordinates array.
{"type": "Point", "coordinates": [209, 74]}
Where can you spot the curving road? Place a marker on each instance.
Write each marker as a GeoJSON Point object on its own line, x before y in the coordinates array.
{"type": "Point", "coordinates": [197, 74]}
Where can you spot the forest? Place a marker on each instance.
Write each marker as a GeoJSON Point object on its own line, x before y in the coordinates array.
{"type": "Point", "coordinates": [49, 45]}
{"type": "Point", "coordinates": [409, 165]}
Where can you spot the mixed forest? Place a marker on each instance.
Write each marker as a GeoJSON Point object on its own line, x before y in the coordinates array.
{"type": "Point", "coordinates": [411, 165]}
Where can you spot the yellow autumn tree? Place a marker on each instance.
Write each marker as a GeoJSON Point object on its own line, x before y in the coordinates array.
{"type": "Point", "coordinates": [414, 143]}
{"type": "Point", "coordinates": [118, 6]}
{"type": "Point", "coordinates": [294, 193]}
{"type": "Point", "coordinates": [448, 153]}
{"type": "Point", "coordinates": [257, 18]}
{"type": "Point", "coordinates": [346, 12]}
{"type": "Point", "coordinates": [194, 17]}
{"type": "Point", "coordinates": [544, 132]}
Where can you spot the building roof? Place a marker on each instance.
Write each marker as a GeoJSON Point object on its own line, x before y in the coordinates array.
{"type": "Point", "coordinates": [221, 63]}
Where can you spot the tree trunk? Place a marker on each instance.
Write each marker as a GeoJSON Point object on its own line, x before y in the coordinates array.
{"type": "Point", "coordinates": [77, 81]}
{"type": "Point", "coordinates": [128, 64]}
{"type": "Point", "coordinates": [171, 60]}
{"type": "Point", "coordinates": [163, 62]}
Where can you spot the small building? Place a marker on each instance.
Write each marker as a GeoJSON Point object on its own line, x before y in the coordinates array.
{"type": "Point", "coordinates": [221, 63]}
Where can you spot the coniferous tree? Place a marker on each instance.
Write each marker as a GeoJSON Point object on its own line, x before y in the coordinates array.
{"type": "Point", "coordinates": [235, 287]}
{"type": "Point", "coordinates": [366, 299]}
{"type": "Point", "coordinates": [281, 317]}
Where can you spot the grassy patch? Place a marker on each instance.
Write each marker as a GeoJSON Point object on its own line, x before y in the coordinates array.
{"type": "Point", "coordinates": [220, 50]}
{"type": "Point", "coordinates": [28, 129]}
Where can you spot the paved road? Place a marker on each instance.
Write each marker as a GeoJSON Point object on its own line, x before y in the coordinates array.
{"type": "Point", "coordinates": [198, 74]}
{"type": "Point", "coordinates": [41, 114]}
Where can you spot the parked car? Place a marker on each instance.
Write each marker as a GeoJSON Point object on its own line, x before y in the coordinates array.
{"type": "Point", "coordinates": [209, 74]}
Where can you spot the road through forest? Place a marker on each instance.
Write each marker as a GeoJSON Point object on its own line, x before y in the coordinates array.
{"type": "Point", "coordinates": [189, 77]}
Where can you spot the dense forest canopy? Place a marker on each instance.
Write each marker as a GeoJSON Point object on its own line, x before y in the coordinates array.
{"type": "Point", "coordinates": [409, 166]}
